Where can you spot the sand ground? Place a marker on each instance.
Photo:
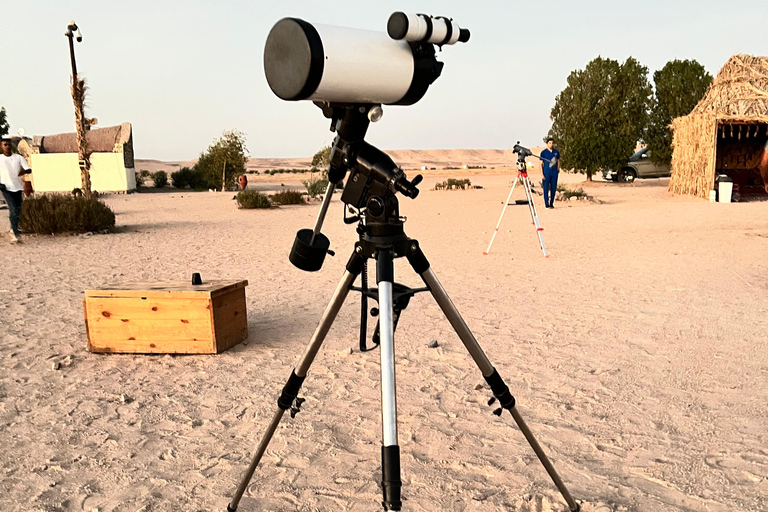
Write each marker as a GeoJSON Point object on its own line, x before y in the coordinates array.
{"type": "Point", "coordinates": [638, 354]}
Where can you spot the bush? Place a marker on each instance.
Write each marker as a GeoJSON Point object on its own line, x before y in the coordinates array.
{"type": "Point", "coordinates": [186, 177]}
{"type": "Point", "coordinates": [315, 187]}
{"type": "Point", "coordinates": [454, 183]}
{"type": "Point", "coordinates": [249, 199]}
{"type": "Point", "coordinates": [160, 178]}
{"type": "Point", "coordinates": [568, 193]}
{"type": "Point", "coordinates": [61, 213]}
{"type": "Point", "coordinates": [288, 197]}
{"type": "Point", "coordinates": [181, 178]}
{"type": "Point", "coordinates": [144, 173]}
{"type": "Point", "coordinates": [139, 181]}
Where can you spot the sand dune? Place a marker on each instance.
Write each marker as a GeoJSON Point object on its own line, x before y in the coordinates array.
{"type": "Point", "coordinates": [406, 158]}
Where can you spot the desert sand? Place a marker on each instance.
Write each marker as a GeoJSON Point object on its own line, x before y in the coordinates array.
{"type": "Point", "coordinates": [638, 354]}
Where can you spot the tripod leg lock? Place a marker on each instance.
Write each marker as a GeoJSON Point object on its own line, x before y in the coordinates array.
{"type": "Point", "coordinates": [500, 390]}
{"type": "Point", "coordinates": [290, 391]}
{"type": "Point", "coordinates": [416, 258]}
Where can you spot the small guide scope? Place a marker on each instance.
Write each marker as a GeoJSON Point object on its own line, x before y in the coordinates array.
{"type": "Point", "coordinates": [325, 63]}
{"type": "Point", "coordinates": [437, 30]}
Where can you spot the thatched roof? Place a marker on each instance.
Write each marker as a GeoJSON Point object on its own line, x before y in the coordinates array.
{"type": "Point", "coordinates": [738, 96]}
{"type": "Point", "coordinates": [740, 91]}
{"type": "Point", "coordinates": [100, 140]}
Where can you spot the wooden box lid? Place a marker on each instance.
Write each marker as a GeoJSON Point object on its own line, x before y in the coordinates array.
{"type": "Point", "coordinates": [167, 290]}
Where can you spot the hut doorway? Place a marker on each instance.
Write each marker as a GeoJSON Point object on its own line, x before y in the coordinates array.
{"type": "Point", "coordinates": [741, 155]}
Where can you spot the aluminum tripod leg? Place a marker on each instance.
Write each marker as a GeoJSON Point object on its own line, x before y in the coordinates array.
{"type": "Point", "coordinates": [506, 203]}
{"type": "Point", "coordinates": [390, 451]}
{"type": "Point", "coordinates": [291, 389]}
{"type": "Point", "coordinates": [498, 387]}
{"type": "Point", "coordinates": [534, 215]}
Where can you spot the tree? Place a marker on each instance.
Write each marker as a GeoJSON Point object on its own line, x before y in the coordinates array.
{"type": "Point", "coordinates": [322, 158]}
{"type": "Point", "coordinates": [223, 161]}
{"type": "Point", "coordinates": [601, 114]}
{"type": "Point", "coordinates": [680, 84]}
{"type": "Point", "coordinates": [4, 127]}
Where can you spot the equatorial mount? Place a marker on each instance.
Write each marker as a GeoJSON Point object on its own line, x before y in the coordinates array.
{"type": "Point", "coordinates": [369, 193]}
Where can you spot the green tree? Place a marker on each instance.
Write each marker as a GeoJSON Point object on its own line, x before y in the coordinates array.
{"type": "Point", "coordinates": [223, 161]}
{"type": "Point", "coordinates": [601, 114]}
{"type": "Point", "coordinates": [322, 158]}
{"type": "Point", "coordinates": [4, 127]}
{"type": "Point", "coordinates": [680, 84]}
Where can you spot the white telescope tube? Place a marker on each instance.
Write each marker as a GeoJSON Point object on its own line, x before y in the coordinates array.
{"type": "Point", "coordinates": [306, 61]}
{"type": "Point", "coordinates": [363, 66]}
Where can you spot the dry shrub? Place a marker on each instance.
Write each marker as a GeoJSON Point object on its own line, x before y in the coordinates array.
{"type": "Point", "coordinates": [288, 197]}
{"type": "Point", "coordinates": [250, 199]}
{"type": "Point", "coordinates": [62, 213]}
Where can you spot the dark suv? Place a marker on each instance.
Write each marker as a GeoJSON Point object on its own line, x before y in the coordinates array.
{"type": "Point", "coordinates": [638, 166]}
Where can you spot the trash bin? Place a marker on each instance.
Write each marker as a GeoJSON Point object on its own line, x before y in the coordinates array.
{"type": "Point", "coordinates": [724, 188]}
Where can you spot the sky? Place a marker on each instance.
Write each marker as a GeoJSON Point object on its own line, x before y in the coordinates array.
{"type": "Point", "coordinates": [182, 72]}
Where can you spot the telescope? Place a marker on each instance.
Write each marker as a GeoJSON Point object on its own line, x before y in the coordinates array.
{"type": "Point", "coordinates": [523, 153]}
{"type": "Point", "coordinates": [306, 61]}
{"type": "Point", "coordinates": [349, 74]}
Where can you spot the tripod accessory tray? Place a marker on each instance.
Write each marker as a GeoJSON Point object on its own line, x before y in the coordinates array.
{"type": "Point", "coordinates": [166, 318]}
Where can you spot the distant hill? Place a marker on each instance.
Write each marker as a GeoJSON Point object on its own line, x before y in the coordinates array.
{"type": "Point", "coordinates": [406, 158]}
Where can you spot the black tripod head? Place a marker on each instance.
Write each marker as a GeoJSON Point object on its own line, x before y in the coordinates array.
{"type": "Point", "coordinates": [523, 153]}
{"type": "Point", "coordinates": [369, 192]}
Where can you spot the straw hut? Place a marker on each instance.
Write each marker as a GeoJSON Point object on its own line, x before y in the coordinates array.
{"type": "Point", "coordinates": [726, 133]}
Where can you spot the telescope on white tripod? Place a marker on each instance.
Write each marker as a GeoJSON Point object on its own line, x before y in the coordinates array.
{"type": "Point", "coordinates": [308, 61]}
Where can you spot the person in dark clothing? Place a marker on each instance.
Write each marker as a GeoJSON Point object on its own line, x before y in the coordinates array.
{"type": "Point", "coordinates": [551, 168]}
{"type": "Point", "coordinates": [12, 168]}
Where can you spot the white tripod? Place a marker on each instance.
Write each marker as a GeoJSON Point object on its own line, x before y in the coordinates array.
{"type": "Point", "coordinates": [522, 176]}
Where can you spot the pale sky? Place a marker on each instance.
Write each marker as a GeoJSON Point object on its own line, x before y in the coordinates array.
{"type": "Point", "coordinates": [184, 71]}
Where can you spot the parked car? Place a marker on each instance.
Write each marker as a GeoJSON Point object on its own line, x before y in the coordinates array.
{"type": "Point", "coordinates": [639, 165]}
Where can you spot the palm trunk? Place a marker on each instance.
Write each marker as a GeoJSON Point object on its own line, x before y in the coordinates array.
{"type": "Point", "coordinates": [83, 155]}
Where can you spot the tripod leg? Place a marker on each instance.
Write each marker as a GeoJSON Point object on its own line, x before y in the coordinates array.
{"type": "Point", "coordinates": [506, 203]}
{"type": "Point", "coordinates": [390, 451]}
{"type": "Point", "coordinates": [499, 388]}
{"type": "Point", "coordinates": [534, 214]}
{"type": "Point", "coordinates": [291, 390]}
{"type": "Point", "coordinates": [364, 308]}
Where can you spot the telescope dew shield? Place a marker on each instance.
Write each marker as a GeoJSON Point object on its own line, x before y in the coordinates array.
{"type": "Point", "coordinates": [304, 61]}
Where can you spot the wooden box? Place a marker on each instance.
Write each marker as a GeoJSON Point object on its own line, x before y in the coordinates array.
{"type": "Point", "coordinates": [166, 318]}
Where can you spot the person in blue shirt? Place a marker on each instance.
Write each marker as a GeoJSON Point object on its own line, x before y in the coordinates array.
{"type": "Point", "coordinates": [551, 168]}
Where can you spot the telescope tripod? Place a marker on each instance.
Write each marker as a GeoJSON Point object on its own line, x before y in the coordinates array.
{"type": "Point", "coordinates": [384, 250]}
{"type": "Point", "coordinates": [369, 193]}
{"type": "Point", "coordinates": [522, 177]}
